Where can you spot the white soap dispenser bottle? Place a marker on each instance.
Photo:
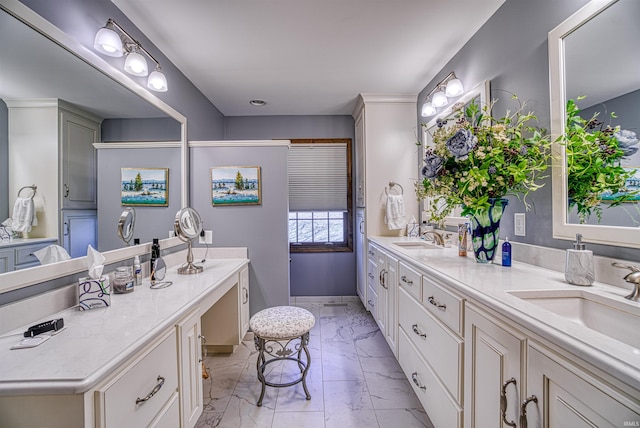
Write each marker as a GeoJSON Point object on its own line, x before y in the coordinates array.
{"type": "Point", "coordinates": [578, 268]}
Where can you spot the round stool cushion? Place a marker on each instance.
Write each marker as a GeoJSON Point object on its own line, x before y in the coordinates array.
{"type": "Point", "coordinates": [282, 322]}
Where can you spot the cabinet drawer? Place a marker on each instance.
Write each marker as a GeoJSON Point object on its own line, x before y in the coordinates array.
{"type": "Point", "coordinates": [442, 410]}
{"type": "Point", "coordinates": [439, 347]}
{"type": "Point", "coordinates": [25, 254]}
{"type": "Point", "coordinates": [409, 279]}
{"type": "Point", "coordinates": [372, 302]}
{"type": "Point", "coordinates": [116, 401]}
{"type": "Point", "coordinates": [444, 305]}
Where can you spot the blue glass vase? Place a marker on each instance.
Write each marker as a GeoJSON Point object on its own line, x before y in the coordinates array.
{"type": "Point", "coordinates": [485, 230]}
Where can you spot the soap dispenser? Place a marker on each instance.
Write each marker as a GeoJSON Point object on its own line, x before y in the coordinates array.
{"type": "Point", "coordinates": [578, 268]}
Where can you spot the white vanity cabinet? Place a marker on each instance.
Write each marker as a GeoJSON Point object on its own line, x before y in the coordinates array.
{"type": "Point", "coordinates": [145, 393]}
{"type": "Point", "coordinates": [190, 339]}
{"type": "Point", "coordinates": [438, 356]}
{"type": "Point", "coordinates": [494, 370]}
{"type": "Point", "coordinates": [387, 292]}
{"type": "Point", "coordinates": [567, 395]}
{"type": "Point", "coordinates": [18, 253]}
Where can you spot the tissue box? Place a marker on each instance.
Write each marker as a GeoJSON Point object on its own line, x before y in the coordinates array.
{"type": "Point", "coordinates": [94, 293]}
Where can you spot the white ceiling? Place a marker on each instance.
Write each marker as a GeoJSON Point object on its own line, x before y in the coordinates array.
{"type": "Point", "coordinates": [307, 57]}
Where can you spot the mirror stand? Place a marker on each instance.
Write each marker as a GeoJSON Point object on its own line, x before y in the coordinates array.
{"type": "Point", "coordinates": [190, 268]}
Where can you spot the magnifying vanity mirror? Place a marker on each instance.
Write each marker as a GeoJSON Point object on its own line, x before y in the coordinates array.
{"type": "Point", "coordinates": [188, 226]}
{"type": "Point", "coordinates": [126, 224]}
{"type": "Point", "coordinates": [594, 59]}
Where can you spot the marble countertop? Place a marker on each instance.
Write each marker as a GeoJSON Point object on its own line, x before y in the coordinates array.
{"type": "Point", "coordinates": [490, 285]}
{"type": "Point", "coordinates": [98, 341]}
{"type": "Point", "coordinates": [13, 242]}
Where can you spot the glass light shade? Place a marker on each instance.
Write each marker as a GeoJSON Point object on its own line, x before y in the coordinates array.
{"type": "Point", "coordinates": [136, 64]}
{"type": "Point", "coordinates": [428, 110]}
{"type": "Point", "coordinates": [454, 88]}
{"type": "Point", "coordinates": [157, 81]}
{"type": "Point", "coordinates": [108, 42]}
{"type": "Point", "coordinates": [439, 99]}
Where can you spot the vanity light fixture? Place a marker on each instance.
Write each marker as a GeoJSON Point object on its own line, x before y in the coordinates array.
{"type": "Point", "coordinates": [112, 40]}
{"type": "Point", "coordinates": [449, 87]}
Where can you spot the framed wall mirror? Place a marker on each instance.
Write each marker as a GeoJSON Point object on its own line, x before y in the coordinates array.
{"type": "Point", "coordinates": [594, 60]}
{"type": "Point", "coordinates": [478, 95]}
{"type": "Point", "coordinates": [78, 76]}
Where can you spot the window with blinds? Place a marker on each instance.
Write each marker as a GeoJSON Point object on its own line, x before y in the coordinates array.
{"type": "Point", "coordinates": [320, 195]}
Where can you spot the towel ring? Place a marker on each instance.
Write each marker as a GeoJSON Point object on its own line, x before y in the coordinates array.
{"type": "Point", "coordinates": [32, 187]}
{"type": "Point", "coordinates": [391, 185]}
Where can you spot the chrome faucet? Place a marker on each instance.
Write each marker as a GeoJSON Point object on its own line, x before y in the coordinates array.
{"type": "Point", "coordinates": [632, 278]}
{"type": "Point", "coordinates": [438, 239]}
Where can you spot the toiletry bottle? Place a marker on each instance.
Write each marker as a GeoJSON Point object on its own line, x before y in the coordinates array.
{"type": "Point", "coordinates": [578, 268]}
{"type": "Point", "coordinates": [155, 254]}
{"type": "Point", "coordinates": [137, 270]}
{"type": "Point", "coordinates": [463, 237]}
{"type": "Point", "coordinates": [506, 253]}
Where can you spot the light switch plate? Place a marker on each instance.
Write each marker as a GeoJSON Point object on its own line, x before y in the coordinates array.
{"type": "Point", "coordinates": [519, 224]}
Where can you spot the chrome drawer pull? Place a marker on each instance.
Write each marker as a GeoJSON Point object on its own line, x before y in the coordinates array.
{"type": "Point", "coordinates": [414, 378]}
{"type": "Point", "coordinates": [503, 402]}
{"type": "Point", "coordinates": [246, 296]}
{"type": "Point", "coordinates": [370, 275]}
{"type": "Point", "coordinates": [523, 410]}
{"type": "Point", "coordinates": [370, 303]}
{"type": "Point", "coordinates": [153, 391]}
{"type": "Point", "coordinates": [416, 331]}
{"type": "Point", "coordinates": [404, 279]}
{"type": "Point", "coordinates": [436, 304]}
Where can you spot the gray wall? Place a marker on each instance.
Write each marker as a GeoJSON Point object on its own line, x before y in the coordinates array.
{"type": "Point", "coordinates": [151, 222]}
{"type": "Point", "coordinates": [4, 161]}
{"type": "Point", "coordinates": [261, 228]}
{"type": "Point", "coordinates": [82, 18]}
{"type": "Point", "coordinates": [511, 51]}
{"type": "Point", "coordinates": [156, 129]}
{"type": "Point", "coordinates": [312, 274]}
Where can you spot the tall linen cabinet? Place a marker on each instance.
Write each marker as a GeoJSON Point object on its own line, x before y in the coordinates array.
{"type": "Point", "coordinates": [385, 151]}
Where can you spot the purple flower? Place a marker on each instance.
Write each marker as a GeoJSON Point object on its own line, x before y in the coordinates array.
{"type": "Point", "coordinates": [432, 165]}
{"type": "Point", "coordinates": [461, 144]}
{"type": "Point", "coordinates": [492, 170]}
{"type": "Point", "coordinates": [524, 150]}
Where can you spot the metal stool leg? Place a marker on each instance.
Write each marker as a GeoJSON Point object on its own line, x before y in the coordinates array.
{"type": "Point", "coordinates": [305, 340]}
{"type": "Point", "coordinates": [260, 367]}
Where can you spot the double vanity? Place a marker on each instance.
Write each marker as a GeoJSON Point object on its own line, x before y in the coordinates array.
{"type": "Point", "coordinates": [135, 363]}
{"type": "Point", "coordinates": [490, 346]}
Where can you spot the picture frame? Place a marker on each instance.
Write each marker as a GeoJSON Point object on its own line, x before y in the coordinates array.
{"type": "Point", "coordinates": [236, 185]}
{"type": "Point", "coordinates": [144, 187]}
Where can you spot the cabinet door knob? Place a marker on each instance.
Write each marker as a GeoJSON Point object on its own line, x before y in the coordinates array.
{"type": "Point", "coordinates": [153, 392]}
{"type": "Point", "coordinates": [523, 410]}
{"type": "Point", "coordinates": [504, 403]}
{"type": "Point", "coordinates": [404, 279]}
{"type": "Point", "coordinates": [66, 190]}
{"type": "Point", "coordinates": [414, 378]}
{"type": "Point", "coordinates": [435, 303]}
{"type": "Point", "coordinates": [417, 331]}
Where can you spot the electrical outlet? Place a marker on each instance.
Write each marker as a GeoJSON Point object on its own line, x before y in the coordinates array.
{"type": "Point", "coordinates": [519, 224]}
{"type": "Point", "coordinates": [207, 238]}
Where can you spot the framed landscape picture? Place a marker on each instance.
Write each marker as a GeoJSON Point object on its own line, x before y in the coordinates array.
{"type": "Point", "coordinates": [235, 185]}
{"type": "Point", "coordinates": [144, 187]}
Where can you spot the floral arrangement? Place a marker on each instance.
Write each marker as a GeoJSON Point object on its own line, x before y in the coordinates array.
{"type": "Point", "coordinates": [476, 157]}
{"type": "Point", "coordinates": [594, 151]}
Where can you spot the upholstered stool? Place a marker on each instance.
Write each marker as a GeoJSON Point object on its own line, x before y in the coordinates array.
{"type": "Point", "coordinates": [280, 333]}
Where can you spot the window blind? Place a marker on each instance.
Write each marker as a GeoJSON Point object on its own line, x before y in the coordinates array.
{"type": "Point", "coordinates": [318, 177]}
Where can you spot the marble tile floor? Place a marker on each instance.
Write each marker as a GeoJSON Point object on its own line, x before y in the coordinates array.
{"type": "Point", "coordinates": [354, 381]}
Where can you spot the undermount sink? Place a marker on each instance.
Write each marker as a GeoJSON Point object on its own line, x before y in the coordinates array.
{"type": "Point", "coordinates": [611, 316]}
{"type": "Point", "coordinates": [417, 245]}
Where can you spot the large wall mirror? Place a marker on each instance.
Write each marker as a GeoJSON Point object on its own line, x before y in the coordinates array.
{"type": "Point", "coordinates": [38, 61]}
{"type": "Point", "coordinates": [594, 59]}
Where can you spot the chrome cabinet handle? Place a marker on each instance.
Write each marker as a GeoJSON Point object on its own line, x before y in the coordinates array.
{"type": "Point", "coordinates": [66, 229]}
{"type": "Point", "coordinates": [66, 190]}
{"type": "Point", "coordinates": [417, 331]}
{"type": "Point", "coordinates": [414, 378]}
{"type": "Point", "coordinates": [371, 303]}
{"type": "Point", "coordinates": [503, 402]}
{"type": "Point", "coordinates": [435, 303]}
{"type": "Point", "coordinates": [523, 410]}
{"type": "Point", "coordinates": [404, 279]}
{"type": "Point", "coordinates": [153, 392]}
{"type": "Point", "coordinates": [370, 252]}
{"type": "Point", "coordinates": [361, 226]}
{"type": "Point", "coordinates": [370, 275]}
{"type": "Point", "coordinates": [382, 276]}
{"type": "Point", "coordinates": [246, 295]}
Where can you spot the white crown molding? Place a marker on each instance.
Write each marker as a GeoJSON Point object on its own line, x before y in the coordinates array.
{"type": "Point", "coordinates": [241, 143]}
{"type": "Point", "coordinates": [138, 145]}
